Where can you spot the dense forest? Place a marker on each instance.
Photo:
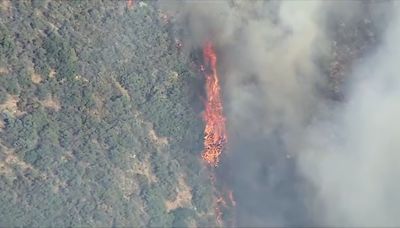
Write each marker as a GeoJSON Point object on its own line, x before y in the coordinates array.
{"type": "Point", "coordinates": [97, 124]}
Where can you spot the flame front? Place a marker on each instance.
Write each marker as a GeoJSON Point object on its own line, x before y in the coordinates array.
{"type": "Point", "coordinates": [215, 131]}
{"type": "Point", "coordinates": [215, 136]}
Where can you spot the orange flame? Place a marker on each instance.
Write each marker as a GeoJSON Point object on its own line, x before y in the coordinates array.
{"type": "Point", "coordinates": [214, 131]}
{"type": "Point", "coordinates": [215, 136]}
{"type": "Point", "coordinates": [219, 203]}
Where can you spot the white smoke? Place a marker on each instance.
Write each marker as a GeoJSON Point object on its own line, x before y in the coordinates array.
{"type": "Point", "coordinates": [353, 158]}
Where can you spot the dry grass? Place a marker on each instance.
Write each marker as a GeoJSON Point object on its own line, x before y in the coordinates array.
{"type": "Point", "coordinates": [52, 73]}
{"type": "Point", "coordinates": [144, 168]}
{"type": "Point", "coordinates": [3, 71]}
{"type": "Point", "coordinates": [97, 111]}
{"type": "Point", "coordinates": [183, 198]}
{"type": "Point", "coordinates": [9, 160]}
{"type": "Point", "coordinates": [127, 182]}
{"type": "Point", "coordinates": [51, 103]}
{"type": "Point", "coordinates": [159, 141]}
{"type": "Point", "coordinates": [5, 6]}
{"type": "Point", "coordinates": [11, 105]}
{"type": "Point", "coordinates": [36, 78]}
{"type": "Point", "coordinates": [121, 89]}
{"type": "Point", "coordinates": [128, 177]}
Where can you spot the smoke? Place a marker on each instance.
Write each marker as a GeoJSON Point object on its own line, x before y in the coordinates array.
{"type": "Point", "coordinates": [296, 156]}
{"type": "Point", "coordinates": [353, 158]}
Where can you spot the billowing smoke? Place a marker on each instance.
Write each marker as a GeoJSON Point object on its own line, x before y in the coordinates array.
{"type": "Point", "coordinates": [297, 154]}
{"type": "Point", "coordinates": [353, 157]}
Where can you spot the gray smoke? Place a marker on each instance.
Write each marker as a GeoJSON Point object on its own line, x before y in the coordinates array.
{"type": "Point", "coordinates": [352, 158]}
{"type": "Point", "coordinates": [295, 155]}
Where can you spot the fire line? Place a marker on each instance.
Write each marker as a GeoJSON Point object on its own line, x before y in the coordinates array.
{"type": "Point", "coordinates": [215, 136]}
{"type": "Point", "coordinates": [214, 132]}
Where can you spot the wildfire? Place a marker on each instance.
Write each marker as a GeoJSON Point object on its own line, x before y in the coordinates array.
{"type": "Point", "coordinates": [214, 131]}
{"type": "Point", "coordinates": [215, 136]}
{"type": "Point", "coordinates": [219, 202]}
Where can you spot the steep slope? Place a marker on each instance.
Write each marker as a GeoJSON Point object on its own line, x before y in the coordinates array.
{"type": "Point", "coordinates": [97, 126]}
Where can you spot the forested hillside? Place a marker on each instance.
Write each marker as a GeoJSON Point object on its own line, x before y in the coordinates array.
{"type": "Point", "coordinates": [97, 124]}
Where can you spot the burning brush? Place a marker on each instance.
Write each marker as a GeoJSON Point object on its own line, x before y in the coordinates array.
{"type": "Point", "coordinates": [215, 131]}
{"type": "Point", "coordinates": [215, 137]}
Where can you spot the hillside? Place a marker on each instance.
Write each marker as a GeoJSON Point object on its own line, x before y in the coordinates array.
{"type": "Point", "coordinates": [98, 125]}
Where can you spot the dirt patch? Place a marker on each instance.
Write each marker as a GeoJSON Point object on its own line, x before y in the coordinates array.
{"type": "Point", "coordinates": [151, 133]}
{"type": "Point", "coordinates": [58, 184]}
{"type": "Point", "coordinates": [183, 198]}
{"type": "Point", "coordinates": [11, 164]}
{"type": "Point", "coordinates": [13, 159]}
{"type": "Point", "coordinates": [80, 78]}
{"type": "Point", "coordinates": [3, 71]}
{"type": "Point", "coordinates": [67, 156]}
{"type": "Point", "coordinates": [144, 168]}
{"type": "Point", "coordinates": [36, 78]}
{"type": "Point", "coordinates": [173, 76]}
{"type": "Point", "coordinates": [52, 73]}
{"type": "Point", "coordinates": [97, 111]}
{"type": "Point", "coordinates": [160, 141]}
{"type": "Point", "coordinates": [128, 177]}
{"type": "Point", "coordinates": [8, 160]}
{"type": "Point", "coordinates": [51, 103]}
{"type": "Point", "coordinates": [127, 182]}
{"type": "Point", "coordinates": [5, 5]}
{"type": "Point", "coordinates": [121, 89]}
{"type": "Point", "coordinates": [11, 105]}
{"type": "Point", "coordinates": [53, 26]}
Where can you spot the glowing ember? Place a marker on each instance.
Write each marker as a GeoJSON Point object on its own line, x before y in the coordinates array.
{"type": "Point", "coordinates": [214, 132]}
{"type": "Point", "coordinates": [219, 202]}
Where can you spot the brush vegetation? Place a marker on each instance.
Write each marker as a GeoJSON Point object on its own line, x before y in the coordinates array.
{"type": "Point", "coordinates": [97, 125]}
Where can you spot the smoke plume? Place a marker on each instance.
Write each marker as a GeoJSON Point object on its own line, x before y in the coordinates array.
{"type": "Point", "coordinates": [352, 158]}
{"type": "Point", "coordinates": [297, 155]}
